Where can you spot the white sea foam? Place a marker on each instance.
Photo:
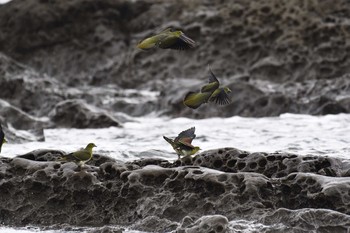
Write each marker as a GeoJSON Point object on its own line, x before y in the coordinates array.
{"type": "Point", "coordinates": [4, 1]}
{"type": "Point", "coordinates": [300, 134]}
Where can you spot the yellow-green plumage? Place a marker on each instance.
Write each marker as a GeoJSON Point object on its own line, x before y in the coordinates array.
{"type": "Point", "coordinates": [208, 93]}
{"type": "Point", "coordinates": [83, 155]}
{"type": "Point", "coordinates": [182, 143]}
{"type": "Point", "coordinates": [167, 39]}
{"type": "Point", "coordinates": [194, 99]}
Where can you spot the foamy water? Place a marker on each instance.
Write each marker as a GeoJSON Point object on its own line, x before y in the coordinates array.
{"type": "Point", "coordinates": [4, 1]}
{"type": "Point", "coordinates": [301, 134]}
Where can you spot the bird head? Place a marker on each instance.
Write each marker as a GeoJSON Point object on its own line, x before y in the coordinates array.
{"type": "Point", "coordinates": [227, 89]}
{"type": "Point", "coordinates": [90, 146]}
{"type": "Point", "coordinates": [196, 149]}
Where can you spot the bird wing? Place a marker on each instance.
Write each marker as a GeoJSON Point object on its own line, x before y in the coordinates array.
{"type": "Point", "coordinates": [213, 82]}
{"type": "Point", "coordinates": [68, 157]}
{"type": "Point", "coordinates": [220, 96]}
{"type": "Point", "coordinates": [186, 136]}
{"type": "Point", "coordinates": [172, 41]}
{"type": "Point", "coordinates": [186, 143]}
{"type": "Point", "coordinates": [150, 42]}
{"type": "Point", "coordinates": [82, 155]}
{"type": "Point", "coordinates": [185, 146]}
{"type": "Point", "coordinates": [212, 77]}
{"type": "Point", "coordinates": [167, 30]}
{"type": "Point", "coordinates": [194, 99]}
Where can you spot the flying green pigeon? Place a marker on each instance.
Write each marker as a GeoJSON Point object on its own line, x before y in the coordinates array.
{"type": "Point", "coordinates": [168, 39]}
{"type": "Point", "coordinates": [210, 92]}
{"type": "Point", "coordinates": [182, 143]}
{"type": "Point", "coordinates": [2, 137]}
{"type": "Point", "coordinates": [81, 156]}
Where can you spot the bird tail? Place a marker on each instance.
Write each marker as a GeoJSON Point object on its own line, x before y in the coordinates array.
{"type": "Point", "coordinates": [168, 140]}
{"type": "Point", "coordinates": [65, 157]}
{"type": "Point", "coordinates": [62, 159]}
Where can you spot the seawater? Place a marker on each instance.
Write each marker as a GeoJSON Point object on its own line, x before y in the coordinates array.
{"type": "Point", "coordinates": [300, 134]}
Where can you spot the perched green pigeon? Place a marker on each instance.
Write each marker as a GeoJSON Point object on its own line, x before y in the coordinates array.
{"type": "Point", "coordinates": [81, 156]}
{"type": "Point", "coordinates": [168, 39]}
{"type": "Point", "coordinates": [182, 143]}
{"type": "Point", "coordinates": [210, 92]}
{"type": "Point", "coordinates": [2, 137]}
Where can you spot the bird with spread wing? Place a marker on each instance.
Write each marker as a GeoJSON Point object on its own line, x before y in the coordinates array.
{"type": "Point", "coordinates": [182, 144]}
{"type": "Point", "coordinates": [168, 39]}
{"type": "Point", "coordinates": [211, 92]}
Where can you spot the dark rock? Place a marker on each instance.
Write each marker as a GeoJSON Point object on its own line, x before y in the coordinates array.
{"type": "Point", "coordinates": [77, 114]}
{"type": "Point", "coordinates": [19, 120]}
{"type": "Point", "coordinates": [43, 155]}
{"type": "Point", "coordinates": [273, 165]}
{"type": "Point", "coordinates": [276, 57]}
{"type": "Point", "coordinates": [155, 224]}
{"type": "Point", "coordinates": [205, 224]}
{"type": "Point", "coordinates": [309, 220]}
{"type": "Point", "coordinates": [146, 196]}
{"type": "Point", "coordinates": [106, 230]}
{"type": "Point", "coordinates": [26, 89]}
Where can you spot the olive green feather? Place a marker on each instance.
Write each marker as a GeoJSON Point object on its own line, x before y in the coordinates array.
{"type": "Point", "coordinates": [168, 39]}
{"type": "Point", "coordinates": [182, 144]}
{"type": "Point", "coordinates": [83, 155]}
{"type": "Point", "coordinates": [208, 93]}
{"type": "Point", "coordinates": [195, 100]}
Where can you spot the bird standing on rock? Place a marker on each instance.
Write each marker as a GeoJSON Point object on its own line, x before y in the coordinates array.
{"type": "Point", "coordinates": [209, 92]}
{"type": "Point", "coordinates": [168, 39]}
{"type": "Point", "coordinates": [81, 156]}
{"type": "Point", "coordinates": [2, 137]}
{"type": "Point", "coordinates": [182, 143]}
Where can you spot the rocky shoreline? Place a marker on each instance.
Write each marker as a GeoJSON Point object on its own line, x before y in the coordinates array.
{"type": "Point", "coordinates": [74, 64]}
{"type": "Point", "coordinates": [276, 57]}
{"type": "Point", "coordinates": [156, 195]}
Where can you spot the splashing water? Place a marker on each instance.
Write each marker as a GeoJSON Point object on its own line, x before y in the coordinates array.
{"type": "Point", "coordinates": [300, 134]}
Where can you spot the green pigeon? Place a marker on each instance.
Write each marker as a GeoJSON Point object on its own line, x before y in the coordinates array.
{"type": "Point", "coordinates": [2, 137]}
{"type": "Point", "coordinates": [182, 143]}
{"type": "Point", "coordinates": [81, 156]}
{"type": "Point", "coordinates": [168, 39]}
{"type": "Point", "coordinates": [211, 92]}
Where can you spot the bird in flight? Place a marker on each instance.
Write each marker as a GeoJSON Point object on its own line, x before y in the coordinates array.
{"type": "Point", "coordinates": [168, 39]}
{"type": "Point", "coordinates": [211, 92]}
{"type": "Point", "coordinates": [182, 144]}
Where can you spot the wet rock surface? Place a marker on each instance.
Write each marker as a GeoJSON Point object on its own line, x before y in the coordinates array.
{"type": "Point", "coordinates": [75, 64]}
{"type": "Point", "coordinates": [276, 56]}
{"type": "Point", "coordinates": [163, 196]}
{"type": "Point", "coordinates": [77, 114]}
